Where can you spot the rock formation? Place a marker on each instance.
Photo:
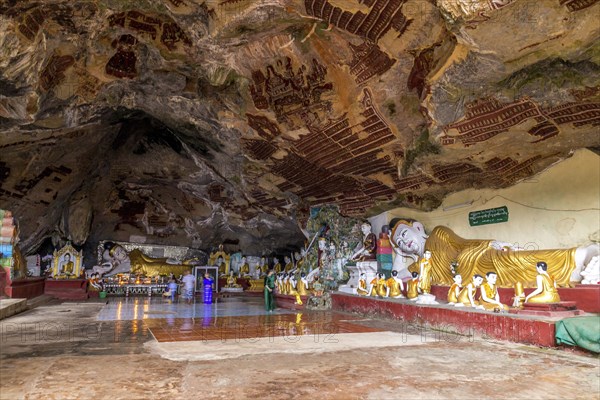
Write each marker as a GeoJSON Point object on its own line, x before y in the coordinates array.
{"type": "Point", "coordinates": [199, 122]}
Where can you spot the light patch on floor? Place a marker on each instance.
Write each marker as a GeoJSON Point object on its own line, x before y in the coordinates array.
{"type": "Point", "coordinates": [226, 349]}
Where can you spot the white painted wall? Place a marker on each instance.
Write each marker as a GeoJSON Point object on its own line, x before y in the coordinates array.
{"type": "Point", "coordinates": [558, 208]}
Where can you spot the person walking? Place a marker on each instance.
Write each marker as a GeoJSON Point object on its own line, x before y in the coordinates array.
{"type": "Point", "coordinates": [208, 288]}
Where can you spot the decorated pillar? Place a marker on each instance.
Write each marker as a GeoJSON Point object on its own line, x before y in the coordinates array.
{"type": "Point", "coordinates": [384, 252]}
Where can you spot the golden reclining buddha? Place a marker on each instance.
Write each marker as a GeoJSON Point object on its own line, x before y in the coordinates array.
{"type": "Point", "coordinates": [141, 264]}
{"type": "Point", "coordinates": [477, 256]}
{"type": "Point", "coordinates": [117, 261]}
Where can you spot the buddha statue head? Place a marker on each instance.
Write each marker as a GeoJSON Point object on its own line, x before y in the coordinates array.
{"type": "Point", "coordinates": [415, 275]}
{"type": "Point", "coordinates": [427, 255]}
{"type": "Point", "coordinates": [286, 260]}
{"type": "Point", "coordinates": [363, 276]}
{"type": "Point", "coordinates": [243, 260]}
{"type": "Point", "coordinates": [394, 273]}
{"type": "Point", "coordinates": [409, 236]}
{"type": "Point", "coordinates": [365, 228]}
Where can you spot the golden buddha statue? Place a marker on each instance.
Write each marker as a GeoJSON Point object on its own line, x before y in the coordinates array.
{"type": "Point", "coordinates": [141, 264]}
{"type": "Point", "coordinates": [276, 265]}
{"type": "Point", "coordinates": [292, 289]}
{"type": "Point", "coordinates": [546, 291]}
{"type": "Point", "coordinates": [479, 256]}
{"type": "Point", "coordinates": [221, 260]}
{"type": "Point", "coordinates": [467, 295]}
{"type": "Point", "coordinates": [244, 268]}
{"type": "Point", "coordinates": [395, 285]}
{"type": "Point", "coordinates": [302, 285]}
{"type": "Point", "coordinates": [490, 300]}
{"type": "Point", "coordinates": [412, 286]}
{"type": "Point", "coordinates": [299, 261]}
{"type": "Point", "coordinates": [455, 289]}
{"type": "Point", "coordinates": [362, 286]}
{"type": "Point", "coordinates": [425, 273]}
{"type": "Point", "coordinates": [288, 264]}
{"type": "Point", "coordinates": [232, 281]}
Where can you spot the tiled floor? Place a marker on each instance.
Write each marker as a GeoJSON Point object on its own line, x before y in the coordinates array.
{"type": "Point", "coordinates": [136, 308]}
{"type": "Point", "coordinates": [229, 318]}
{"type": "Point", "coordinates": [256, 326]}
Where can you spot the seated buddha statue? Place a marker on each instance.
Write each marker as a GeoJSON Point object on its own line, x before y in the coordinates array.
{"type": "Point", "coordinates": [299, 261]}
{"type": "Point", "coordinates": [288, 265]}
{"type": "Point", "coordinates": [222, 266]}
{"type": "Point", "coordinates": [232, 281]}
{"type": "Point", "coordinates": [466, 297]}
{"type": "Point", "coordinates": [276, 265]}
{"type": "Point", "coordinates": [362, 289]}
{"type": "Point", "coordinates": [221, 260]}
{"type": "Point", "coordinates": [455, 289]}
{"type": "Point", "coordinates": [546, 291]}
{"type": "Point", "coordinates": [395, 286]}
{"type": "Point", "coordinates": [263, 266]}
{"type": "Point", "coordinates": [244, 267]}
{"type": "Point", "coordinates": [366, 250]}
{"type": "Point", "coordinates": [490, 299]}
{"type": "Point", "coordinates": [412, 287]}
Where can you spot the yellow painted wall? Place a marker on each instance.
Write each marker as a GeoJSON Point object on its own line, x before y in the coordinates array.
{"type": "Point", "coordinates": [558, 208]}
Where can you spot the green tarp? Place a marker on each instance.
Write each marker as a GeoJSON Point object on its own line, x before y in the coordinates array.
{"type": "Point", "coordinates": [579, 331]}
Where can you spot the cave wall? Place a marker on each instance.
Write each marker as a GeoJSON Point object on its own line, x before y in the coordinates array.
{"type": "Point", "coordinates": [558, 208]}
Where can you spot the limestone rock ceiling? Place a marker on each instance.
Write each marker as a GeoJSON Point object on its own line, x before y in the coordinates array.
{"type": "Point", "coordinates": [195, 122]}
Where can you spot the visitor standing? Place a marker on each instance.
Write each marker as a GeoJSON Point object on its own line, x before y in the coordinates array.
{"type": "Point", "coordinates": [208, 288]}
{"type": "Point", "coordinates": [269, 288]}
{"type": "Point", "coordinates": [173, 288]}
{"type": "Point", "coordinates": [189, 282]}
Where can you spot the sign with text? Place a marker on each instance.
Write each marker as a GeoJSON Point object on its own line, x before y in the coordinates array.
{"type": "Point", "coordinates": [489, 216]}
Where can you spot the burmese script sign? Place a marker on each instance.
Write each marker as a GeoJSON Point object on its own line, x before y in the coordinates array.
{"type": "Point", "coordinates": [489, 216]}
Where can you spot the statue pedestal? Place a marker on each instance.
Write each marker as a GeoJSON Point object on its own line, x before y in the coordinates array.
{"type": "Point", "coordinates": [562, 309]}
{"type": "Point", "coordinates": [67, 289]}
{"type": "Point", "coordinates": [369, 268]}
{"type": "Point", "coordinates": [232, 289]}
{"type": "Point", "coordinates": [26, 288]}
{"type": "Point", "coordinates": [256, 285]}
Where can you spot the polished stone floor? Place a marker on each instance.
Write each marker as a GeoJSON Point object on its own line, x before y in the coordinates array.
{"type": "Point", "coordinates": [138, 348]}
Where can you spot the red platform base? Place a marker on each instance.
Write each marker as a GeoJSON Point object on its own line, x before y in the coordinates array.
{"type": "Point", "coordinates": [563, 309]}
{"type": "Point", "coordinates": [2, 281]}
{"type": "Point", "coordinates": [587, 297]}
{"type": "Point", "coordinates": [67, 289]}
{"type": "Point", "coordinates": [289, 302]}
{"type": "Point", "coordinates": [476, 324]}
{"type": "Point", "coordinates": [27, 288]}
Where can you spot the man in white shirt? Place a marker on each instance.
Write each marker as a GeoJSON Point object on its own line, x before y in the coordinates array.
{"type": "Point", "coordinates": [189, 283]}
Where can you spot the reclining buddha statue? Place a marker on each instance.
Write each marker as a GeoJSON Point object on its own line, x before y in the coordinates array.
{"type": "Point", "coordinates": [478, 257]}
{"type": "Point", "coordinates": [116, 260]}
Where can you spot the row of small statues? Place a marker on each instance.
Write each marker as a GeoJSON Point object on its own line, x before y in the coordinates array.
{"type": "Point", "coordinates": [546, 289]}
{"type": "Point", "coordinates": [262, 267]}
